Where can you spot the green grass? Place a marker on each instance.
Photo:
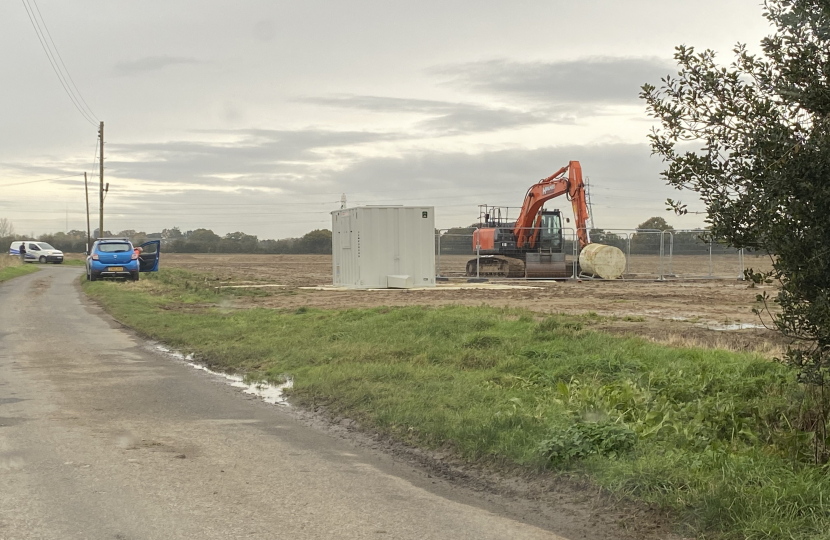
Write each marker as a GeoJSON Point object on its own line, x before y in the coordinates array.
{"type": "Point", "coordinates": [10, 272]}
{"type": "Point", "coordinates": [709, 434]}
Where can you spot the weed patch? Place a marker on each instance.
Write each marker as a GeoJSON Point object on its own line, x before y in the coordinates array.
{"type": "Point", "coordinates": [582, 440]}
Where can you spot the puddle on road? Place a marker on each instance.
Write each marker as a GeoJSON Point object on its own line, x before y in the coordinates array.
{"type": "Point", "coordinates": [269, 393]}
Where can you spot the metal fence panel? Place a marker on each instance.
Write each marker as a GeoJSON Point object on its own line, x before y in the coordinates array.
{"type": "Point", "coordinates": [695, 254]}
{"type": "Point", "coordinates": [650, 254]}
{"type": "Point", "coordinates": [453, 250]}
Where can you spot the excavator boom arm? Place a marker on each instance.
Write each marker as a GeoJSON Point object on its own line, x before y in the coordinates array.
{"type": "Point", "coordinates": [549, 188]}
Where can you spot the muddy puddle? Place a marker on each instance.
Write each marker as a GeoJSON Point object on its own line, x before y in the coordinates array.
{"type": "Point", "coordinates": [733, 326]}
{"type": "Point", "coordinates": [269, 393]}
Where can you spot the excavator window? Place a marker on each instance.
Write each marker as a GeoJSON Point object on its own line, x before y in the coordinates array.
{"type": "Point", "coordinates": [551, 233]}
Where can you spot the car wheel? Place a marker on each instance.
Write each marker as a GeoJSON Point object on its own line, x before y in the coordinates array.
{"type": "Point", "coordinates": [135, 276]}
{"type": "Point", "coordinates": [92, 276]}
{"type": "Point", "coordinates": [42, 260]}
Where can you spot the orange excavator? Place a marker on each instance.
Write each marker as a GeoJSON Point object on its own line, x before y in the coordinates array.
{"type": "Point", "coordinates": [532, 245]}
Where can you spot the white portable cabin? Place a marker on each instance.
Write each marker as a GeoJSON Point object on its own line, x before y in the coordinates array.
{"type": "Point", "coordinates": [383, 247]}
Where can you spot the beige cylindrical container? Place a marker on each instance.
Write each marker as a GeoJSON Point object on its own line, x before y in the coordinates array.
{"type": "Point", "coordinates": [600, 260]}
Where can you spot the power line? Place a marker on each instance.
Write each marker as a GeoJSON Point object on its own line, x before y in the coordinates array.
{"type": "Point", "coordinates": [41, 36]}
{"type": "Point", "coordinates": [44, 180]}
{"type": "Point", "coordinates": [55, 47]}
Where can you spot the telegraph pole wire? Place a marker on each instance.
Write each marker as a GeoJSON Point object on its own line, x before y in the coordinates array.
{"type": "Point", "coordinates": [65, 69]}
{"type": "Point", "coordinates": [43, 180]}
{"type": "Point", "coordinates": [41, 36]}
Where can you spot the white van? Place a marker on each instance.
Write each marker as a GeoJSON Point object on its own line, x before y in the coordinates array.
{"type": "Point", "coordinates": [37, 252]}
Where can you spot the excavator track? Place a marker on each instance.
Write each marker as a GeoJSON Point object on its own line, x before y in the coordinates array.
{"type": "Point", "coordinates": [496, 266]}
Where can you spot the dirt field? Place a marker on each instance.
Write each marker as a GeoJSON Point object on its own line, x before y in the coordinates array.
{"type": "Point", "coordinates": [713, 313]}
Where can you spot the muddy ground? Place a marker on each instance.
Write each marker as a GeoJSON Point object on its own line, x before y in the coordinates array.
{"type": "Point", "coordinates": [702, 312]}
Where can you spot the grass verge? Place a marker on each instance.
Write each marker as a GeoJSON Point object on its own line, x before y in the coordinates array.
{"type": "Point", "coordinates": [709, 434]}
{"type": "Point", "coordinates": [12, 268]}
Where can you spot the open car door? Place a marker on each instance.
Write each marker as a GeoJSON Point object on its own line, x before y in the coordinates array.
{"type": "Point", "coordinates": [148, 261]}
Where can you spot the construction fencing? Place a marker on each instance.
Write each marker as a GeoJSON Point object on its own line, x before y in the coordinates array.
{"type": "Point", "coordinates": [653, 255]}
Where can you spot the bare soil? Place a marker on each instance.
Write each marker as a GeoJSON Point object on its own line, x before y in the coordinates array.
{"type": "Point", "coordinates": [699, 312]}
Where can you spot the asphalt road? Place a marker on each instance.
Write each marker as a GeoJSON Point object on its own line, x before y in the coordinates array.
{"type": "Point", "coordinates": [101, 438]}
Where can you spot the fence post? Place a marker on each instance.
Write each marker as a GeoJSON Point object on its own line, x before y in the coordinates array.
{"type": "Point", "coordinates": [671, 253]}
{"type": "Point", "coordinates": [710, 255]}
{"type": "Point", "coordinates": [575, 263]}
{"type": "Point", "coordinates": [741, 276]}
{"type": "Point", "coordinates": [438, 259]}
{"type": "Point", "coordinates": [662, 253]}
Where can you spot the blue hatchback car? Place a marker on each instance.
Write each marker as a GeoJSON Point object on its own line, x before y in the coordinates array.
{"type": "Point", "coordinates": [117, 258]}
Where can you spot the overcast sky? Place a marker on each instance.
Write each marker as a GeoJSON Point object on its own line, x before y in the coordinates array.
{"type": "Point", "coordinates": [257, 115]}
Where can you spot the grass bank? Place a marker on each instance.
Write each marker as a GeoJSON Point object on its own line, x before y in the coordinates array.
{"type": "Point", "coordinates": [709, 434]}
{"type": "Point", "coordinates": [11, 267]}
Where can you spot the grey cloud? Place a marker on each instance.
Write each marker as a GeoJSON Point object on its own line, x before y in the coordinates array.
{"type": "Point", "coordinates": [386, 104]}
{"type": "Point", "coordinates": [624, 178]}
{"type": "Point", "coordinates": [289, 165]}
{"type": "Point", "coordinates": [151, 63]}
{"type": "Point", "coordinates": [603, 80]}
{"type": "Point", "coordinates": [446, 118]}
{"type": "Point", "coordinates": [616, 164]}
{"type": "Point", "coordinates": [483, 120]}
{"type": "Point", "coordinates": [265, 158]}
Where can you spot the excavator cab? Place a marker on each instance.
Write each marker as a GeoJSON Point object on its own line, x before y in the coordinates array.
{"type": "Point", "coordinates": [550, 232]}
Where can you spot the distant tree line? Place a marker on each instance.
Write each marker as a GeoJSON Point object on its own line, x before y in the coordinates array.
{"type": "Point", "coordinates": [175, 241]}
{"type": "Point", "coordinates": [206, 241]}
{"type": "Point", "coordinates": [644, 240]}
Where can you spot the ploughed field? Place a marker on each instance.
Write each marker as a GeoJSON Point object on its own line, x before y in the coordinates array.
{"type": "Point", "coordinates": [683, 311]}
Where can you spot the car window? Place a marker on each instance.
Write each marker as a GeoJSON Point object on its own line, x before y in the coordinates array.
{"type": "Point", "coordinates": [114, 248]}
{"type": "Point", "coordinates": [44, 245]}
{"type": "Point", "coordinates": [34, 247]}
{"type": "Point", "coordinates": [149, 249]}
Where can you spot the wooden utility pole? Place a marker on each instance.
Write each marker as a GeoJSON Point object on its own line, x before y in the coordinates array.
{"type": "Point", "coordinates": [88, 231]}
{"type": "Point", "coordinates": [101, 190]}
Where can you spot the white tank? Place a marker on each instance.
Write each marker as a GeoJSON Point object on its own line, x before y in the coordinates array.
{"type": "Point", "coordinates": [601, 260]}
